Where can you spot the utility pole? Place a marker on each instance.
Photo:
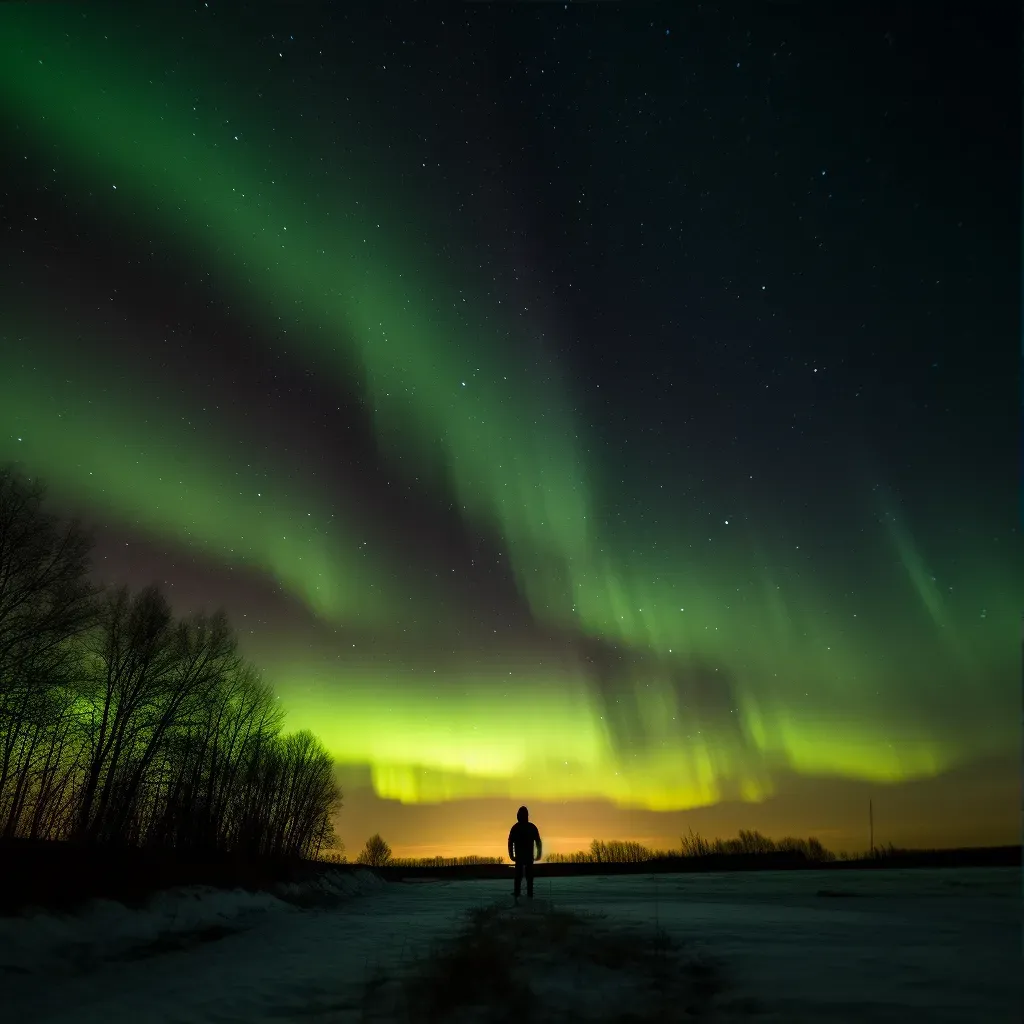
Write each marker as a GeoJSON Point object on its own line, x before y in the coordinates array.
{"type": "Point", "coordinates": [871, 826]}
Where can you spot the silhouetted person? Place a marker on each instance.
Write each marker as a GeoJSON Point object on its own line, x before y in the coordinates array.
{"type": "Point", "coordinates": [521, 838]}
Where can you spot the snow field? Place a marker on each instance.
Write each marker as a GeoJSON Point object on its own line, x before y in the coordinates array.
{"type": "Point", "coordinates": [936, 945]}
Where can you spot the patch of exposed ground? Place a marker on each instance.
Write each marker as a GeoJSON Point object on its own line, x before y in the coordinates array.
{"type": "Point", "coordinates": [546, 964]}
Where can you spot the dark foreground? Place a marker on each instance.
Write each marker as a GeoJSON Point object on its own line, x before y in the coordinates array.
{"type": "Point", "coordinates": [970, 857]}
{"type": "Point", "coordinates": [772, 947]}
{"type": "Point", "coordinates": [61, 876]}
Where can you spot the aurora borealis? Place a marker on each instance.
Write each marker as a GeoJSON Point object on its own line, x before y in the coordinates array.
{"type": "Point", "coordinates": [568, 407]}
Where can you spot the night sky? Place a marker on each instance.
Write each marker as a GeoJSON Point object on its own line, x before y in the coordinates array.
{"type": "Point", "coordinates": [612, 408]}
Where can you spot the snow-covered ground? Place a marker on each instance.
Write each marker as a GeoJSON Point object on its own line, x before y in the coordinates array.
{"type": "Point", "coordinates": [926, 945]}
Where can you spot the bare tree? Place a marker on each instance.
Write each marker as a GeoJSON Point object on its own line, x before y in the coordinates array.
{"type": "Point", "coordinates": [129, 661]}
{"type": "Point", "coordinates": [46, 604]}
{"type": "Point", "coordinates": [205, 759]}
{"type": "Point", "coordinates": [376, 853]}
{"type": "Point", "coordinates": [121, 724]}
{"type": "Point", "coordinates": [201, 653]}
{"type": "Point", "coordinates": [308, 797]}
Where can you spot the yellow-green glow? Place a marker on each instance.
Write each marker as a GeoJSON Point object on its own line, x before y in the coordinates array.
{"type": "Point", "coordinates": [551, 736]}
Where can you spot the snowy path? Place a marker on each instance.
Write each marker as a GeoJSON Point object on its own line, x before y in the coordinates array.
{"type": "Point", "coordinates": [934, 946]}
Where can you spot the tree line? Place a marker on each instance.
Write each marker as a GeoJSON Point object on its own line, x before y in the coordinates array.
{"type": "Point", "coordinates": [747, 844]}
{"type": "Point", "coordinates": [122, 724]}
{"type": "Point", "coordinates": [377, 852]}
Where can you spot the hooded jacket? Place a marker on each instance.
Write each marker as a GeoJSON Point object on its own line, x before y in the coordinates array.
{"type": "Point", "coordinates": [522, 836]}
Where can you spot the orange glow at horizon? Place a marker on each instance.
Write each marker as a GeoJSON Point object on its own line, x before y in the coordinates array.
{"type": "Point", "coordinates": [975, 806]}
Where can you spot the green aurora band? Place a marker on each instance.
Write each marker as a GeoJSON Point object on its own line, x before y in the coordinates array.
{"type": "Point", "coordinates": [173, 472]}
{"type": "Point", "coordinates": [345, 268]}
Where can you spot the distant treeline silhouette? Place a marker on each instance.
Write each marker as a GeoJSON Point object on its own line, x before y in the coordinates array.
{"type": "Point", "coordinates": [376, 853]}
{"type": "Point", "coordinates": [443, 862]}
{"type": "Point", "coordinates": [122, 725]}
{"type": "Point", "coordinates": [746, 844]}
